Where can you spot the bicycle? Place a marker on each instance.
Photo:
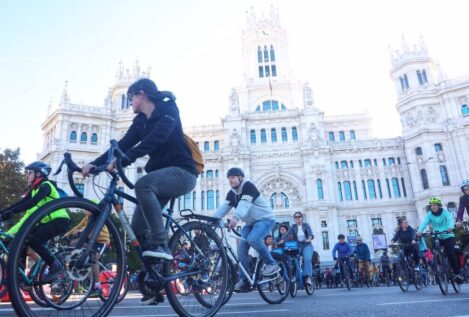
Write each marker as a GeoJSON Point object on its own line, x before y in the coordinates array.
{"type": "Point", "coordinates": [295, 269]}
{"type": "Point", "coordinates": [344, 272]}
{"type": "Point", "coordinates": [273, 289]}
{"type": "Point", "coordinates": [440, 265]}
{"type": "Point", "coordinates": [156, 275]}
{"type": "Point", "coordinates": [405, 272]}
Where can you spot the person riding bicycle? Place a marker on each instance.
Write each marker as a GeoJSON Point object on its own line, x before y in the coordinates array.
{"type": "Point", "coordinates": [302, 233]}
{"type": "Point", "coordinates": [407, 237]}
{"type": "Point", "coordinates": [386, 263]}
{"type": "Point", "coordinates": [363, 256]}
{"type": "Point", "coordinates": [251, 208]}
{"type": "Point", "coordinates": [41, 191]}
{"type": "Point", "coordinates": [441, 220]}
{"type": "Point", "coordinates": [282, 230]}
{"type": "Point", "coordinates": [156, 131]}
{"type": "Point", "coordinates": [102, 241]}
{"type": "Point", "coordinates": [344, 251]}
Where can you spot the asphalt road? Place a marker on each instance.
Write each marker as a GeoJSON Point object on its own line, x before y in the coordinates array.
{"type": "Point", "coordinates": [380, 301]}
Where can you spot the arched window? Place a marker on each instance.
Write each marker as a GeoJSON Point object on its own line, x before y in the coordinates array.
{"type": "Point", "coordinates": [206, 146]}
{"type": "Point", "coordinates": [320, 189]}
{"type": "Point", "coordinates": [209, 173]}
{"type": "Point", "coordinates": [395, 187]}
{"type": "Point", "coordinates": [339, 190]}
{"type": "Point", "coordinates": [294, 134]}
{"type": "Point", "coordinates": [210, 200]}
{"type": "Point", "coordinates": [216, 173]}
{"type": "Point", "coordinates": [384, 162]}
{"type": "Point", "coordinates": [438, 147]}
{"type": "Point", "coordinates": [418, 151]}
{"type": "Point", "coordinates": [360, 163]}
{"type": "Point", "coordinates": [391, 161]}
{"type": "Point", "coordinates": [270, 105]}
{"type": "Point", "coordinates": [187, 201]}
{"type": "Point", "coordinates": [371, 189]}
{"type": "Point", "coordinates": [336, 165]}
{"type": "Point", "coordinates": [341, 136]}
{"type": "Point", "coordinates": [367, 163]}
{"type": "Point", "coordinates": [273, 135]}
{"type": "Point", "coordinates": [272, 54]}
{"type": "Point", "coordinates": [217, 198]}
{"type": "Point", "coordinates": [123, 102]}
{"type": "Point", "coordinates": [279, 201]}
{"type": "Point", "coordinates": [84, 137]}
{"type": "Point", "coordinates": [325, 240]}
{"type": "Point", "coordinates": [351, 164]}
{"type": "Point", "coordinates": [202, 200]}
{"type": "Point", "coordinates": [444, 175]}
{"type": "Point", "coordinates": [94, 138]}
{"type": "Point", "coordinates": [284, 135]}
{"type": "Point", "coordinates": [216, 146]}
{"type": "Point", "coordinates": [259, 54]}
{"type": "Point", "coordinates": [343, 164]}
{"type": "Point", "coordinates": [352, 135]}
{"type": "Point", "coordinates": [347, 190]}
{"type": "Point", "coordinates": [423, 176]}
{"type": "Point", "coordinates": [266, 55]}
{"type": "Point", "coordinates": [331, 136]}
{"type": "Point", "coordinates": [465, 110]}
{"type": "Point", "coordinates": [253, 136]}
{"type": "Point", "coordinates": [263, 137]}
{"type": "Point", "coordinates": [73, 136]}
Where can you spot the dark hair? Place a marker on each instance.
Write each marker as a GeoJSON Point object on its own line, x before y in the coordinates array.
{"type": "Point", "coordinates": [298, 213]}
{"type": "Point", "coordinates": [267, 236]}
{"type": "Point", "coordinates": [340, 236]}
{"type": "Point", "coordinates": [283, 226]}
{"type": "Point", "coordinates": [148, 86]}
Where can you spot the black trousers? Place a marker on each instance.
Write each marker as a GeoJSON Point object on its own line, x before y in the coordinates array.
{"type": "Point", "coordinates": [449, 244]}
{"type": "Point", "coordinates": [41, 234]}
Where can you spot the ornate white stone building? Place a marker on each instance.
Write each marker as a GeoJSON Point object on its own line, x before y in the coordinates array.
{"type": "Point", "coordinates": [328, 167]}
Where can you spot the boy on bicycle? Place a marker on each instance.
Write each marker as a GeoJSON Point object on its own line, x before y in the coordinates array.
{"type": "Point", "coordinates": [441, 220]}
{"type": "Point", "coordinates": [254, 210]}
{"type": "Point", "coordinates": [343, 250]}
{"type": "Point", "coordinates": [42, 191]}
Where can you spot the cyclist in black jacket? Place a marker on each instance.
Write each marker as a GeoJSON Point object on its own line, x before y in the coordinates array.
{"type": "Point", "coordinates": [407, 236]}
{"type": "Point", "coordinates": [157, 132]}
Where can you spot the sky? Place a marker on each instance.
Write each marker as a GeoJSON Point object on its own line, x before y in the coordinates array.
{"type": "Point", "coordinates": [194, 49]}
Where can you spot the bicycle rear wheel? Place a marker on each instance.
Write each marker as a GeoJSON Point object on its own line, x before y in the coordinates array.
{"type": "Point", "coordinates": [106, 278]}
{"type": "Point", "coordinates": [310, 288]}
{"type": "Point", "coordinates": [202, 292]}
{"type": "Point", "coordinates": [441, 272]}
{"type": "Point", "coordinates": [274, 289]}
{"type": "Point", "coordinates": [67, 294]}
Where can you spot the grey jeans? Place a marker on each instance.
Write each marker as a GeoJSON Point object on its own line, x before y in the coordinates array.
{"type": "Point", "coordinates": [153, 192]}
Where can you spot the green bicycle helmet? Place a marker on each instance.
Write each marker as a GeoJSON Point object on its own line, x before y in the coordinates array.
{"type": "Point", "coordinates": [434, 201]}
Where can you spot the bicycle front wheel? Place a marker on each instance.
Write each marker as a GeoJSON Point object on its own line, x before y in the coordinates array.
{"type": "Point", "coordinates": [440, 272]}
{"type": "Point", "coordinates": [274, 289]}
{"type": "Point", "coordinates": [66, 293]}
{"type": "Point", "coordinates": [201, 263]}
{"type": "Point", "coordinates": [402, 276]}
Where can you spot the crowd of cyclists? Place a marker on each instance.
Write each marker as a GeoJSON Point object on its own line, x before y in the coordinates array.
{"type": "Point", "coordinates": [157, 131]}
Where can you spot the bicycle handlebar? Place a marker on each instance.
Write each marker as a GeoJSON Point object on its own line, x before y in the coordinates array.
{"type": "Point", "coordinates": [72, 167]}
{"type": "Point", "coordinates": [434, 233]}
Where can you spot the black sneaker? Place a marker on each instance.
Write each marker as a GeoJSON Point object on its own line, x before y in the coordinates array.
{"type": "Point", "coordinates": [148, 300]}
{"type": "Point", "coordinates": [158, 252]}
{"type": "Point", "coordinates": [459, 278]}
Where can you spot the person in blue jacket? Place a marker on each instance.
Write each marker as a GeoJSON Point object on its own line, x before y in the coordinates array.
{"type": "Point", "coordinates": [344, 251]}
{"type": "Point", "coordinates": [363, 256]}
{"type": "Point", "coordinates": [441, 220]}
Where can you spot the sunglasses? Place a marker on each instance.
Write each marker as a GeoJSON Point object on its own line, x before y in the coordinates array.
{"type": "Point", "coordinates": [298, 217]}
{"type": "Point", "coordinates": [465, 188]}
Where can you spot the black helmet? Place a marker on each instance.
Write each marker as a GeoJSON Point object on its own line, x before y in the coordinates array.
{"type": "Point", "coordinates": [235, 171]}
{"type": "Point", "coordinates": [40, 167]}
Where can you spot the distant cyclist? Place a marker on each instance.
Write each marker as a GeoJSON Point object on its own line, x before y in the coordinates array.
{"type": "Point", "coordinates": [463, 202]}
{"type": "Point", "coordinates": [251, 208]}
{"type": "Point", "coordinates": [441, 220]}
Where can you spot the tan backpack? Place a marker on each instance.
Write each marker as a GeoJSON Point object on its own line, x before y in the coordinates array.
{"type": "Point", "coordinates": [196, 154]}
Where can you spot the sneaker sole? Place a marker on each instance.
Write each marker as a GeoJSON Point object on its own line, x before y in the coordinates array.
{"type": "Point", "coordinates": [157, 255]}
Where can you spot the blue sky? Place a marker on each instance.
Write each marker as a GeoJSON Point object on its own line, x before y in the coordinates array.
{"type": "Point", "coordinates": [194, 49]}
